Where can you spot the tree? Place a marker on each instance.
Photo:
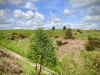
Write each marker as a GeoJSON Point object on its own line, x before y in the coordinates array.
{"type": "Point", "coordinates": [41, 50]}
{"type": "Point", "coordinates": [64, 28]}
{"type": "Point", "coordinates": [68, 33]}
{"type": "Point", "coordinates": [53, 28]}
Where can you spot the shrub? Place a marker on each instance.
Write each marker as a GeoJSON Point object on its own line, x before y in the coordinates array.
{"type": "Point", "coordinates": [59, 42]}
{"type": "Point", "coordinates": [89, 48]}
{"type": "Point", "coordinates": [68, 34]}
{"type": "Point", "coordinates": [79, 31]}
{"type": "Point", "coordinates": [56, 37]}
{"type": "Point", "coordinates": [75, 33]}
{"type": "Point", "coordinates": [65, 43]}
{"type": "Point", "coordinates": [89, 37]}
{"type": "Point", "coordinates": [92, 43]}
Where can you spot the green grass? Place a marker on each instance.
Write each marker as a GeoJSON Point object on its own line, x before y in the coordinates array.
{"type": "Point", "coordinates": [20, 46]}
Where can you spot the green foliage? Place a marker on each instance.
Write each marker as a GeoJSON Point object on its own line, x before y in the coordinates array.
{"type": "Point", "coordinates": [68, 34]}
{"type": "Point", "coordinates": [92, 62]}
{"type": "Point", "coordinates": [53, 28]}
{"type": "Point", "coordinates": [59, 42]}
{"type": "Point", "coordinates": [67, 66]}
{"type": "Point", "coordinates": [88, 60]}
{"type": "Point", "coordinates": [79, 31]}
{"type": "Point", "coordinates": [41, 49]}
{"type": "Point", "coordinates": [64, 28]}
{"type": "Point", "coordinates": [96, 62]}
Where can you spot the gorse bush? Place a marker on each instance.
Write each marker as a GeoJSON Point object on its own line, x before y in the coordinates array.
{"type": "Point", "coordinates": [68, 34]}
{"type": "Point", "coordinates": [59, 42]}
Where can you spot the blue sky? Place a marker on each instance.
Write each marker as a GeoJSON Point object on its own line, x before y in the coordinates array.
{"type": "Point", "coordinates": [30, 14]}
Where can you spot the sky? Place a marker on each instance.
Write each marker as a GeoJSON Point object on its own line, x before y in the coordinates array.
{"type": "Point", "coordinates": [30, 14]}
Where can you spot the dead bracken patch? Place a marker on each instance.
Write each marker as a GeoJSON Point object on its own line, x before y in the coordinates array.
{"type": "Point", "coordinates": [15, 36]}
{"type": "Point", "coordinates": [8, 65]}
{"type": "Point", "coordinates": [4, 54]}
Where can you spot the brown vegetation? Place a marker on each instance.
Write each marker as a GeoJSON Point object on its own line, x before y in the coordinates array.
{"type": "Point", "coordinates": [8, 65]}
{"type": "Point", "coordinates": [15, 36]}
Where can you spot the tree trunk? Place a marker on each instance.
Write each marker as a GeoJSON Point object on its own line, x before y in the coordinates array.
{"type": "Point", "coordinates": [40, 65]}
{"type": "Point", "coordinates": [36, 66]}
{"type": "Point", "coordinates": [40, 70]}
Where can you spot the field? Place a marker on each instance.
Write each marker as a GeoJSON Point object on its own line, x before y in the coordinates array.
{"type": "Point", "coordinates": [72, 57]}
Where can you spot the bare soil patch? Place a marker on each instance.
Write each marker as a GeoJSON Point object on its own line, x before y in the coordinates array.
{"type": "Point", "coordinates": [71, 45]}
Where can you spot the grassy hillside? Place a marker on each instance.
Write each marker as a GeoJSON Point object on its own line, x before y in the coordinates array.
{"type": "Point", "coordinates": [75, 60]}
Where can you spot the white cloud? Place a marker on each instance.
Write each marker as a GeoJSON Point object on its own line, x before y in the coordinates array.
{"type": "Point", "coordinates": [30, 5]}
{"type": "Point", "coordinates": [83, 3]}
{"type": "Point", "coordinates": [17, 28]}
{"type": "Point", "coordinates": [38, 16]}
{"type": "Point", "coordinates": [56, 20]}
{"type": "Point", "coordinates": [66, 12]}
{"type": "Point", "coordinates": [3, 14]}
{"type": "Point", "coordinates": [86, 25]}
{"type": "Point", "coordinates": [18, 14]}
{"type": "Point", "coordinates": [93, 10]}
{"type": "Point", "coordinates": [91, 18]}
{"type": "Point", "coordinates": [31, 22]}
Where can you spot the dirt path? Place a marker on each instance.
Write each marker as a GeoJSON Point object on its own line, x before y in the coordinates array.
{"type": "Point", "coordinates": [45, 70]}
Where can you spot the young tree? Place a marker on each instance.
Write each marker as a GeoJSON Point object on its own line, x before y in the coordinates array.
{"type": "Point", "coordinates": [42, 50]}
{"type": "Point", "coordinates": [53, 28]}
{"type": "Point", "coordinates": [64, 28]}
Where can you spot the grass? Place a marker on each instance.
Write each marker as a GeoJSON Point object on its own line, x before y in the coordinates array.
{"type": "Point", "coordinates": [20, 46]}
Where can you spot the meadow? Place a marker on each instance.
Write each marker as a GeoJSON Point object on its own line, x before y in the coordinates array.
{"type": "Point", "coordinates": [76, 61]}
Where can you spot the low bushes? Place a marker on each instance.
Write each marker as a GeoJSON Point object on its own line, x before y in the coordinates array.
{"type": "Point", "coordinates": [56, 36]}
{"type": "Point", "coordinates": [92, 44]}
{"type": "Point", "coordinates": [68, 34]}
{"type": "Point", "coordinates": [59, 42]}
{"type": "Point", "coordinates": [65, 42]}
{"type": "Point", "coordinates": [79, 31]}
